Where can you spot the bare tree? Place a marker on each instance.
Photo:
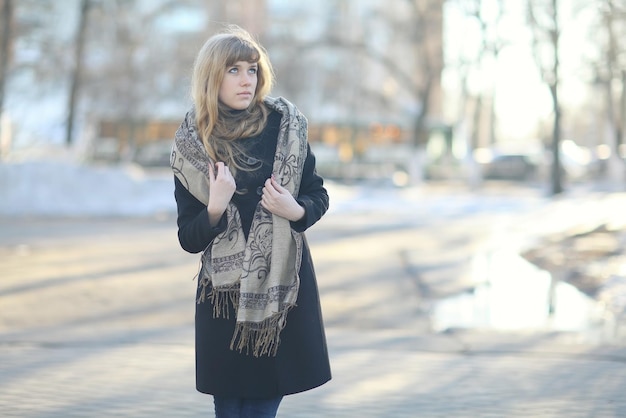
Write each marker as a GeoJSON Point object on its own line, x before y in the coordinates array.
{"type": "Point", "coordinates": [370, 63]}
{"type": "Point", "coordinates": [471, 60]}
{"type": "Point", "coordinates": [38, 64]}
{"type": "Point", "coordinates": [428, 53]}
{"type": "Point", "coordinates": [125, 58]}
{"type": "Point", "coordinates": [77, 71]}
{"type": "Point", "coordinates": [6, 24]}
{"type": "Point", "coordinates": [543, 17]}
{"type": "Point", "coordinates": [610, 72]}
{"type": "Point", "coordinates": [133, 67]}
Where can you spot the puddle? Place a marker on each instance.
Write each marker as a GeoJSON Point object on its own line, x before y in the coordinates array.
{"type": "Point", "coordinates": [513, 294]}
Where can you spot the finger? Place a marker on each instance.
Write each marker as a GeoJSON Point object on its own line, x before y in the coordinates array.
{"type": "Point", "coordinates": [269, 188]}
{"type": "Point", "coordinates": [265, 201]}
{"type": "Point", "coordinates": [277, 185]}
{"type": "Point", "coordinates": [219, 168]}
{"type": "Point", "coordinates": [223, 171]}
{"type": "Point", "coordinates": [211, 172]}
{"type": "Point", "coordinates": [227, 172]}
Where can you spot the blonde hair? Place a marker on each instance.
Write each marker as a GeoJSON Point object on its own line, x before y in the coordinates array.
{"type": "Point", "coordinates": [217, 128]}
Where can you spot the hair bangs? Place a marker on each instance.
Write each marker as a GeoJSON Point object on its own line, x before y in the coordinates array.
{"type": "Point", "coordinates": [243, 51]}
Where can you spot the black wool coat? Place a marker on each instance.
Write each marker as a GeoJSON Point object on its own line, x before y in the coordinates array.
{"type": "Point", "coordinates": [302, 360]}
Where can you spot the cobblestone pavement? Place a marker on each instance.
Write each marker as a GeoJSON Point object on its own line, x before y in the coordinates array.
{"type": "Point", "coordinates": [96, 321]}
{"type": "Point", "coordinates": [388, 379]}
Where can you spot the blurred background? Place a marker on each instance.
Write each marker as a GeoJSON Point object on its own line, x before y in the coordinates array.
{"type": "Point", "coordinates": [473, 151]}
{"type": "Point", "coordinates": [399, 92]}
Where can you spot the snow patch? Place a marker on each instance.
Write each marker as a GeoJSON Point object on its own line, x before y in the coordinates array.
{"type": "Point", "coordinates": [66, 188]}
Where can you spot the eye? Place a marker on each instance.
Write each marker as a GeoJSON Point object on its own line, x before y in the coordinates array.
{"type": "Point", "coordinates": [253, 70]}
{"type": "Point", "coordinates": [233, 70]}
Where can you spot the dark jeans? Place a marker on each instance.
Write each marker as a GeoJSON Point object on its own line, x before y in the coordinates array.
{"type": "Point", "coordinates": [246, 408]}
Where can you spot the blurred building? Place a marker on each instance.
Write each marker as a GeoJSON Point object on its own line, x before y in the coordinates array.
{"type": "Point", "coordinates": [358, 61]}
{"type": "Point", "coordinates": [365, 73]}
{"type": "Point", "coordinates": [359, 69]}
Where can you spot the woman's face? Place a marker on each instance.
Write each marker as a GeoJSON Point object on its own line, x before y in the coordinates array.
{"type": "Point", "coordinates": [239, 84]}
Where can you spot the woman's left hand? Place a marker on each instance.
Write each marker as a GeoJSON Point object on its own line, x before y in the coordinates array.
{"type": "Point", "coordinates": [279, 201]}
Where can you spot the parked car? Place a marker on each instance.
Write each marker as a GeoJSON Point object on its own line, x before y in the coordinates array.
{"type": "Point", "coordinates": [517, 167]}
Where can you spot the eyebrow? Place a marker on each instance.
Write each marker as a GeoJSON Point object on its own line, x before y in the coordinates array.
{"type": "Point", "coordinates": [251, 64]}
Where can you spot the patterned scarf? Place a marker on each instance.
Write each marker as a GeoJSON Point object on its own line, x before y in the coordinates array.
{"type": "Point", "coordinates": [258, 276]}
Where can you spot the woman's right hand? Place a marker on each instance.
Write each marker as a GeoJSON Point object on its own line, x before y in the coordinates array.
{"type": "Point", "coordinates": [222, 186]}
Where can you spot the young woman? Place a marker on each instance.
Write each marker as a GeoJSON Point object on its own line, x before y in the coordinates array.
{"type": "Point", "coordinates": [246, 190]}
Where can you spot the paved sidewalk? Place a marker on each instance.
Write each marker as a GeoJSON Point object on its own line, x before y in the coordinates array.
{"type": "Point", "coordinates": [96, 320]}
{"type": "Point", "coordinates": [380, 374]}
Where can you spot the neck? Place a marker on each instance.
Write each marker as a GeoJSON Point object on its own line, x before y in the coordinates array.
{"type": "Point", "coordinates": [229, 113]}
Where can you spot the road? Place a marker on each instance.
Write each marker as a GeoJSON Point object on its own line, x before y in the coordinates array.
{"type": "Point", "coordinates": [97, 320]}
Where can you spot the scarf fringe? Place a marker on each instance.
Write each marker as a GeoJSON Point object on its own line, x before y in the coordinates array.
{"type": "Point", "coordinates": [221, 298]}
{"type": "Point", "coordinates": [263, 337]}
{"type": "Point", "coordinates": [203, 283]}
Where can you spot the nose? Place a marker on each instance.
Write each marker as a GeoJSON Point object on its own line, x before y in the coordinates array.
{"type": "Point", "coordinates": [246, 80]}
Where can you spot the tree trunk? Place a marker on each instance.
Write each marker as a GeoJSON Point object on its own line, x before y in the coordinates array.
{"type": "Point", "coordinates": [557, 181]}
{"type": "Point", "coordinates": [493, 138]}
{"type": "Point", "coordinates": [615, 164]}
{"type": "Point", "coordinates": [476, 123]}
{"type": "Point", "coordinates": [6, 24]}
{"type": "Point", "coordinates": [619, 134]}
{"type": "Point", "coordinates": [77, 72]}
{"type": "Point", "coordinates": [5, 45]}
